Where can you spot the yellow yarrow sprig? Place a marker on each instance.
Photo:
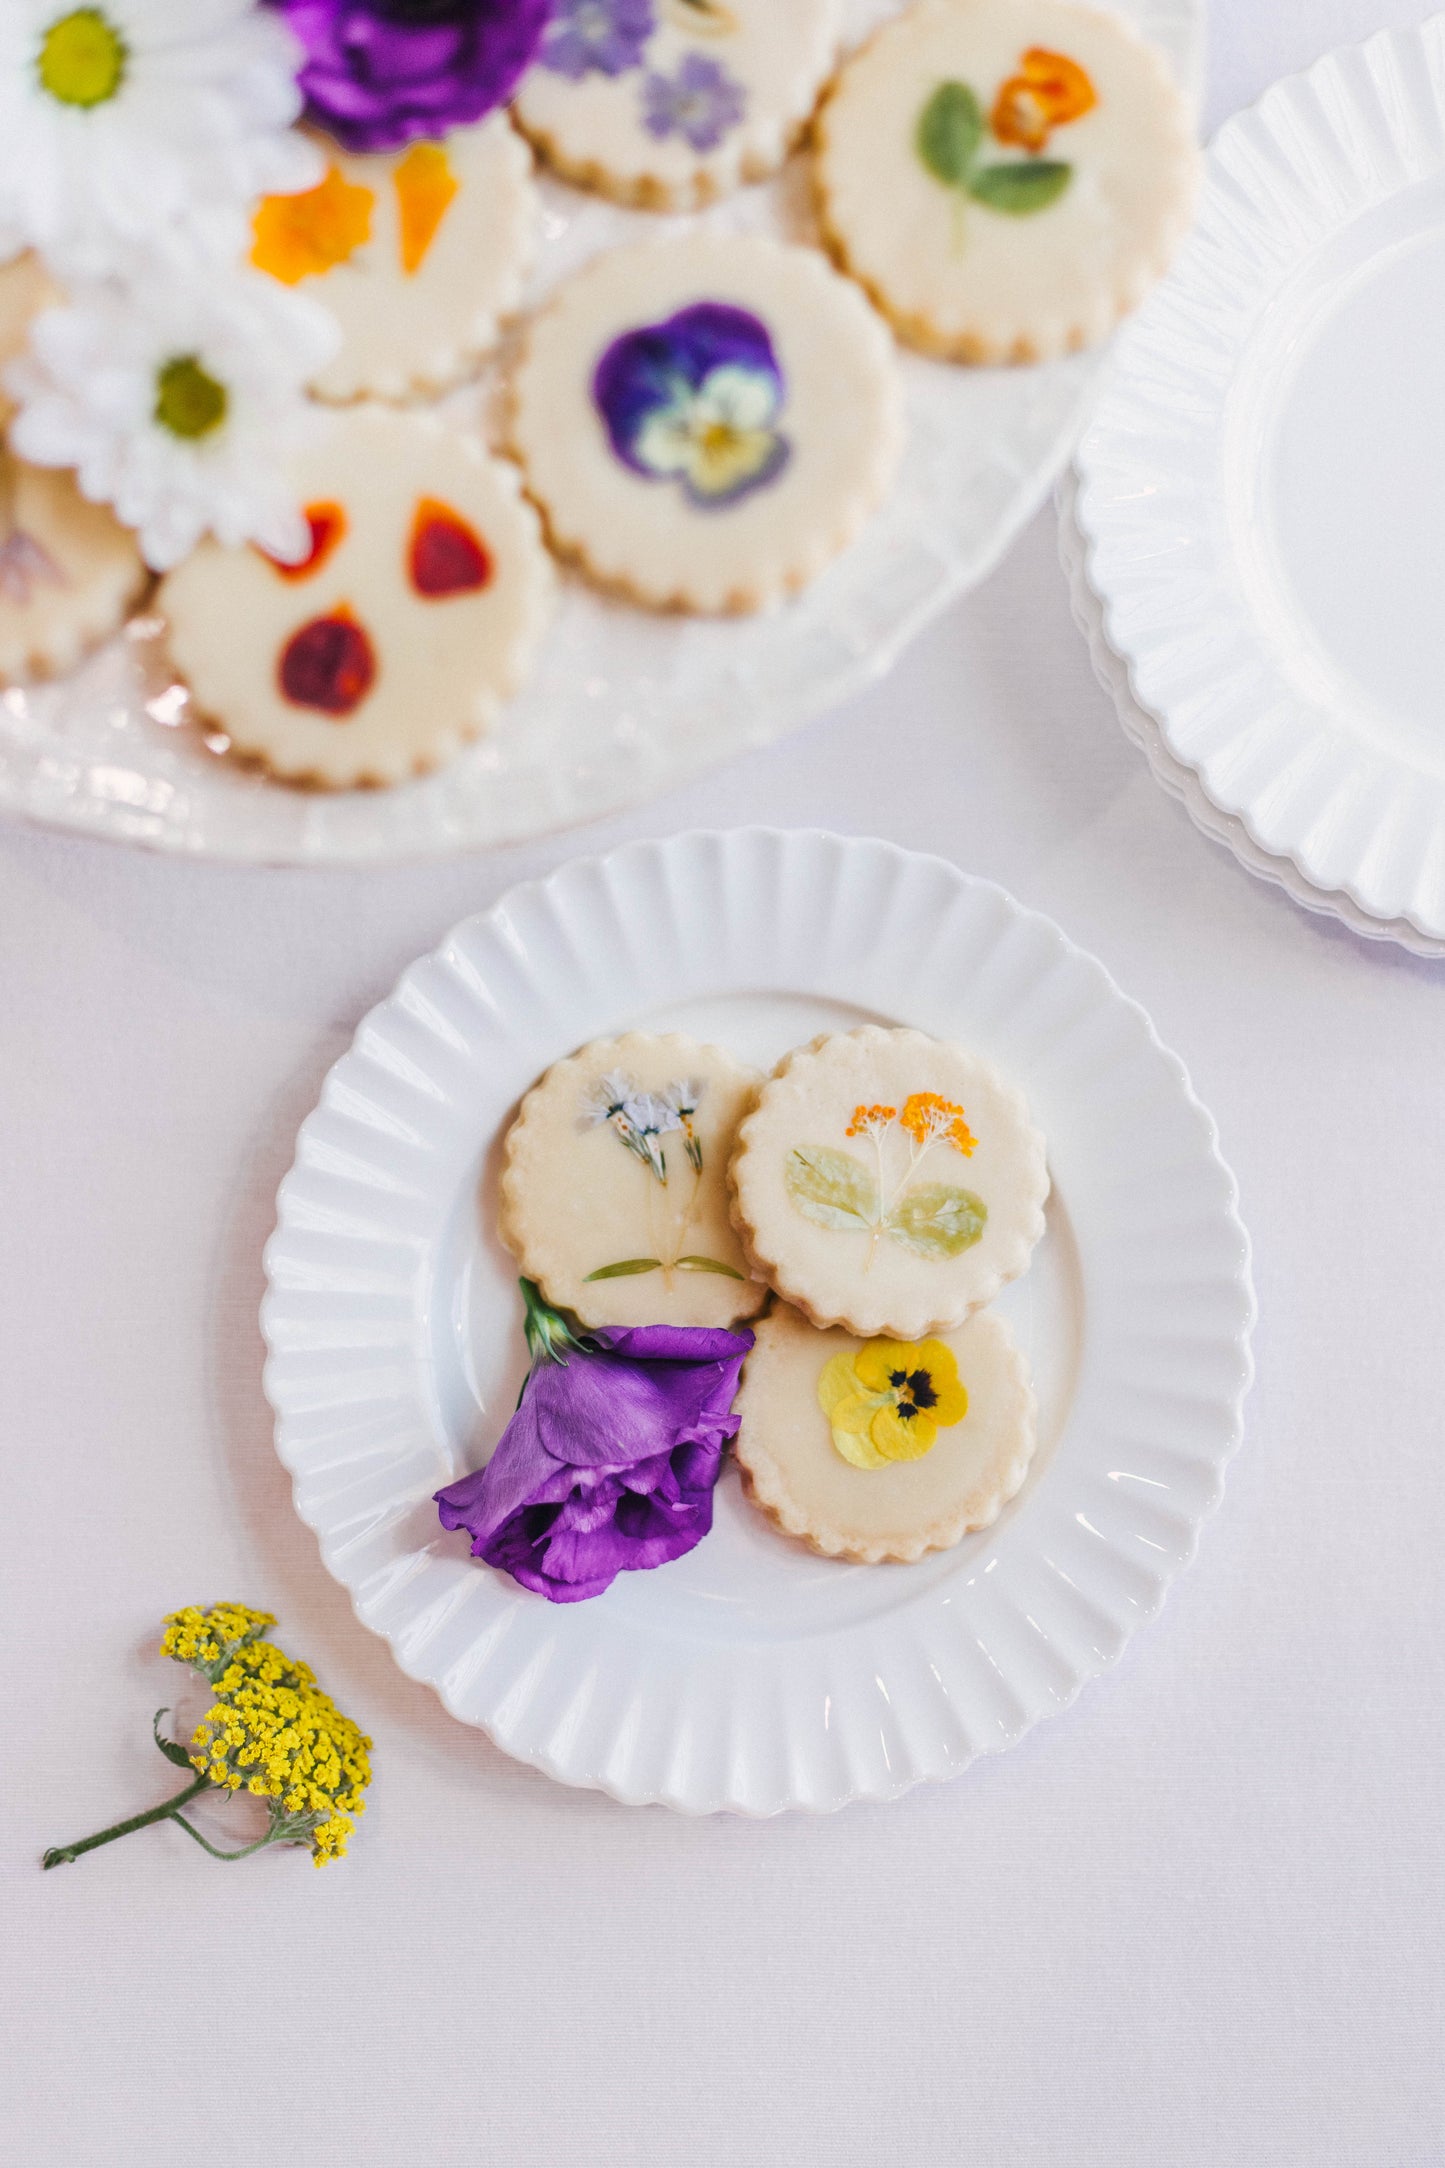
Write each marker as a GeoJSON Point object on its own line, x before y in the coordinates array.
{"type": "Point", "coordinates": [271, 1731]}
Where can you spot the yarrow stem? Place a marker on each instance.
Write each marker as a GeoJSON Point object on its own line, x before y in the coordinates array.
{"type": "Point", "coordinates": [168, 1810]}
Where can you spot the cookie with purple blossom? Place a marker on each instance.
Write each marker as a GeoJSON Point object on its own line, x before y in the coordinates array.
{"type": "Point", "coordinates": [706, 420]}
{"type": "Point", "coordinates": [614, 1191]}
{"type": "Point", "coordinates": [667, 104]}
{"type": "Point", "coordinates": [69, 572]}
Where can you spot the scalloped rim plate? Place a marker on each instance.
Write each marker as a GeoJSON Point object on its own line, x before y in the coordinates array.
{"type": "Point", "coordinates": [1281, 370]}
{"type": "Point", "coordinates": [623, 704]}
{"type": "Point", "coordinates": [753, 1675]}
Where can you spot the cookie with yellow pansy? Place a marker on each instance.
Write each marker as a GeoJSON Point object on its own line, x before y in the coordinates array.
{"type": "Point", "coordinates": [1007, 178]}
{"type": "Point", "coordinates": [419, 253]}
{"type": "Point", "coordinates": [873, 1449]}
{"type": "Point", "coordinates": [888, 1182]}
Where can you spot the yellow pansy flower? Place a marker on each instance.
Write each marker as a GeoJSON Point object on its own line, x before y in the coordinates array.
{"type": "Point", "coordinates": [890, 1400]}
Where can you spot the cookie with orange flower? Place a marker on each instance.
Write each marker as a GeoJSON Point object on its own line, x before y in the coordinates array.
{"type": "Point", "coordinates": [419, 253]}
{"type": "Point", "coordinates": [873, 1449]}
{"type": "Point", "coordinates": [1007, 178]}
{"type": "Point", "coordinates": [888, 1182]}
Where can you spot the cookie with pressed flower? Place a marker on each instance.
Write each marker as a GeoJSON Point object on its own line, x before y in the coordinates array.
{"type": "Point", "coordinates": [888, 1182]}
{"type": "Point", "coordinates": [669, 103]}
{"type": "Point", "coordinates": [397, 638]}
{"type": "Point", "coordinates": [419, 253]}
{"type": "Point", "coordinates": [614, 1184]}
{"type": "Point", "coordinates": [879, 1448]}
{"type": "Point", "coordinates": [707, 420]}
{"type": "Point", "coordinates": [70, 574]}
{"type": "Point", "coordinates": [1007, 178]}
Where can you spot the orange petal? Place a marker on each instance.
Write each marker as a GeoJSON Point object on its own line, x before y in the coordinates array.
{"type": "Point", "coordinates": [425, 185]}
{"type": "Point", "coordinates": [446, 557]}
{"type": "Point", "coordinates": [328, 527]}
{"type": "Point", "coordinates": [300, 237]}
{"type": "Point", "coordinates": [1019, 115]}
{"type": "Point", "coordinates": [1062, 85]}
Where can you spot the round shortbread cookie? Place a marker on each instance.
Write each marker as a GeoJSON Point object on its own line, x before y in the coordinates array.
{"type": "Point", "coordinates": [396, 641]}
{"type": "Point", "coordinates": [69, 572]}
{"type": "Point", "coordinates": [1007, 178]}
{"type": "Point", "coordinates": [669, 103]}
{"type": "Point", "coordinates": [419, 254]}
{"type": "Point", "coordinates": [706, 420]}
{"type": "Point", "coordinates": [888, 1182]}
{"type": "Point", "coordinates": [883, 1449]}
{"type": "Point", "coordinates": [614, 1184]}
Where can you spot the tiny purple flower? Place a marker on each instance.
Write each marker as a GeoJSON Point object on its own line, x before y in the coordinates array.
{"type": "Point", "coordinates": [700, 103]}
{"type": "Point", "coordinates": [597, 37]}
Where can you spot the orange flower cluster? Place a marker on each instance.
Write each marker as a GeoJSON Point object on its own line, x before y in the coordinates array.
{"type": "Point", "coordinates": [1049, 90]}
{"type": "Point", "coordinates": [867, 1120]}
{"type": "Point", "coordinates": [928, 1117]}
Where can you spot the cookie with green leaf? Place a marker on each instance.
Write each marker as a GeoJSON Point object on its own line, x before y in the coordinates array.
{"type": "Point", "coordinates": [614, 1184]}
{"type": "Point", "coordinates": [888, 1182]}
{"type": "Point", "coordinates": [1007, 178]}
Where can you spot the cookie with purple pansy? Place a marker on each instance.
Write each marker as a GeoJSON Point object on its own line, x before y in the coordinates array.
{"type": "Point", "coordinates": [705, 421]}
{"type": "Point", "coordinates": [668, 104]}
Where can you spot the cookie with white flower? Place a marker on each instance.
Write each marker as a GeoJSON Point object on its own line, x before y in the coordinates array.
{"type": "Point", "coordinates": [707, 420]}
{"type": "Point", "coordinates": [70, 574]}
{"type": "Point", "coordinates": [669, 103]}
{"type": "Point", "coordinates": [412, 616]}
{"type": "Point", "coordinates": [874, 1449]}
{"type": "Point", "coordinates": [614, 1192]}
{"type": "Point", "coordinates": [419, 253]}
{"type": "Point", "coordinates": [888, 1182]}
{"type": "Point", "coordinates": [1007, 178]}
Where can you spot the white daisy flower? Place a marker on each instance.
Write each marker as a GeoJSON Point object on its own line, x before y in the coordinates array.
{"type": "Point", "coordinates": [177, 399]}
{"type": "Point", "coordinates": [127, 121]}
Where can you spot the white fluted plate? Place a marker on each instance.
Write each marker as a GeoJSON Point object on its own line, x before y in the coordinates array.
{"type": "Point", "coordinates": [1260, 486]}
{"type": "Point", "coordinates": [624, 703]}
{"type": "Point", "coordinates": [753, 1675]}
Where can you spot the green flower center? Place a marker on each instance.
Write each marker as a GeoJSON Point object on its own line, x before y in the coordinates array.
{"type": "Point", "coordinates": [189, 401]}
{"type": "Point", "coordinates": [82, 58]}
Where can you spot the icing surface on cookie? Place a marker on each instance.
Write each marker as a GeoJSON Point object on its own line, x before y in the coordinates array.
{"type": "Point", "coordinates": [412, 618]}
{"type": "Point", "coordinates": [1006, 177]}
{"type": "Point", "coordinates": [419, 253]}
{"type": "Point", "coordinates": [888, 1182]}
{"type": "Point", "coordinates": [706, 420]}
{"type": "Point", "coordinates": [805, 1390]}
{"type": "Point", "coordinates": [69, 572]}
{"type": "Point", "coordinates": [614, 1192]}
{"type": "Point", "coordinates": [669, 103]}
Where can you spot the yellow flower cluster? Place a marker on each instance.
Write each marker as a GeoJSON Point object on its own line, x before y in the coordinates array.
{"type": "Point", "coordinates": [926, 1117]}
{"type": "Point", "coordinates": [272, 1730]}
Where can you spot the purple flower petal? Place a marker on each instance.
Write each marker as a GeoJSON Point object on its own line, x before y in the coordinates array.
{"type": "Point", "coordinates": [597, 37]}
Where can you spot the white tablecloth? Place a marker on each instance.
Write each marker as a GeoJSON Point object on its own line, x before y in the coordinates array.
{"type": "Point", "coordinates": [1198, 1919]}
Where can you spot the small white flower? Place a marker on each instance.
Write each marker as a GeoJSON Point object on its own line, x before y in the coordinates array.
{"type": "Point", "coordinates": [685, 1097]}
{"type": "Point", "coordinates": [177, 399]}
{"type": "Point", "coordinates": [608, 1096]}
{"type": "Point", "coordinates": [124, 123]}
{"type": "Point", "coordinates": [651, 1114]}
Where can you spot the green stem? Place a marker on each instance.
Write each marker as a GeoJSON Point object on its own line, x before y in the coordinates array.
{"type": "Point", "coordinates": [245, 1851]}
{"type": "Point", "coordinates": [60, 1853]}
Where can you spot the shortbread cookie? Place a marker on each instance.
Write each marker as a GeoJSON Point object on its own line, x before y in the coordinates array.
{"type": "Point", "coordinates": [888, 1182]}
{"type": "Point", "coordinates": [419, 253]}
{"type": "Point", "coordinates": [398, 637]}
{"type": "Point", "coordinates": [873, 1449]}
{"type": "Point", "coordinates": [669, 103]}
{"type": "Point", "coordinates": [1006, 177]}
{"type": "Point", "coordinates": [69, 572]}
{"type": "Point", "coordinates": [705, 421]}
{"type": "Point", "coordinates": [25, 289]}
{"type": "Point", "coordinates": [614, 1188]}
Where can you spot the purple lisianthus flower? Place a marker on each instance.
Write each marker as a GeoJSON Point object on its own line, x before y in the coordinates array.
{"type": "Point", "coordinates": [700, 103]}
{"type": "Point", "coordinates": [609, 1464]}
{"type": "Point", "coordinates": [597, 37]}
{"type": "Point", "coordinates": [695, 399]}
{"type": "Point", "coordinates": [380, 72]}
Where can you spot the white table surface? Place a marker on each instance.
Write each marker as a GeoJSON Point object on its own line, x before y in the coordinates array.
{"type": "Point", "coordinates": [1199, 1918]}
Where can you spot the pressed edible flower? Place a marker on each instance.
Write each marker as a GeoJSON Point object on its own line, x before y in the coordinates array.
{"type": "Point", "coordinates": [301, 237]}
{"type": "Point", "coordinates": [930, 1119]}
{"type": "Point", "coordinates": [1049, 90]}
{"type": "Point", "coordinates": [270, 1731]}
{"type": "Point", "coordinates": [889, 1401]}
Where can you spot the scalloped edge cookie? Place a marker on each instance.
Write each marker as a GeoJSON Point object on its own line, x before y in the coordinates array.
{"type": "Point", "coordinates": [80, 617]}
{"type": "Point", "coordinates": [982, 1344]}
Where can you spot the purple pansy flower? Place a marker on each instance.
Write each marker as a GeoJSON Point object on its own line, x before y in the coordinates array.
{"type": "Point", "coordinates": [380, 72]}
{"type": "Point", "coordinates": [700, 103]}
{"type": "Point", "coordinates": [695, 399]}
{"type": "Point", "coordinates": [601, 37]}
{"type": "Point", "coordinates": [609, 1464]}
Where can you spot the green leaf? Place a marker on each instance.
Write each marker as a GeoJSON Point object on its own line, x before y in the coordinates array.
{"type": "Point", "coordinates": [709, 1264]}
{"type": "Point", "coordinates": [169, 1747]}
{"type": "Point", "coordinates": [937, 1220]}
{"type": "Point", "coordinates": [1031, 184]}
{"type": "Point", "coordinates": [950, 129]}
{"type": "Point", "coordinates": [833, 1188]}
{"type": "Point", "coordinates": [625, 1270]}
